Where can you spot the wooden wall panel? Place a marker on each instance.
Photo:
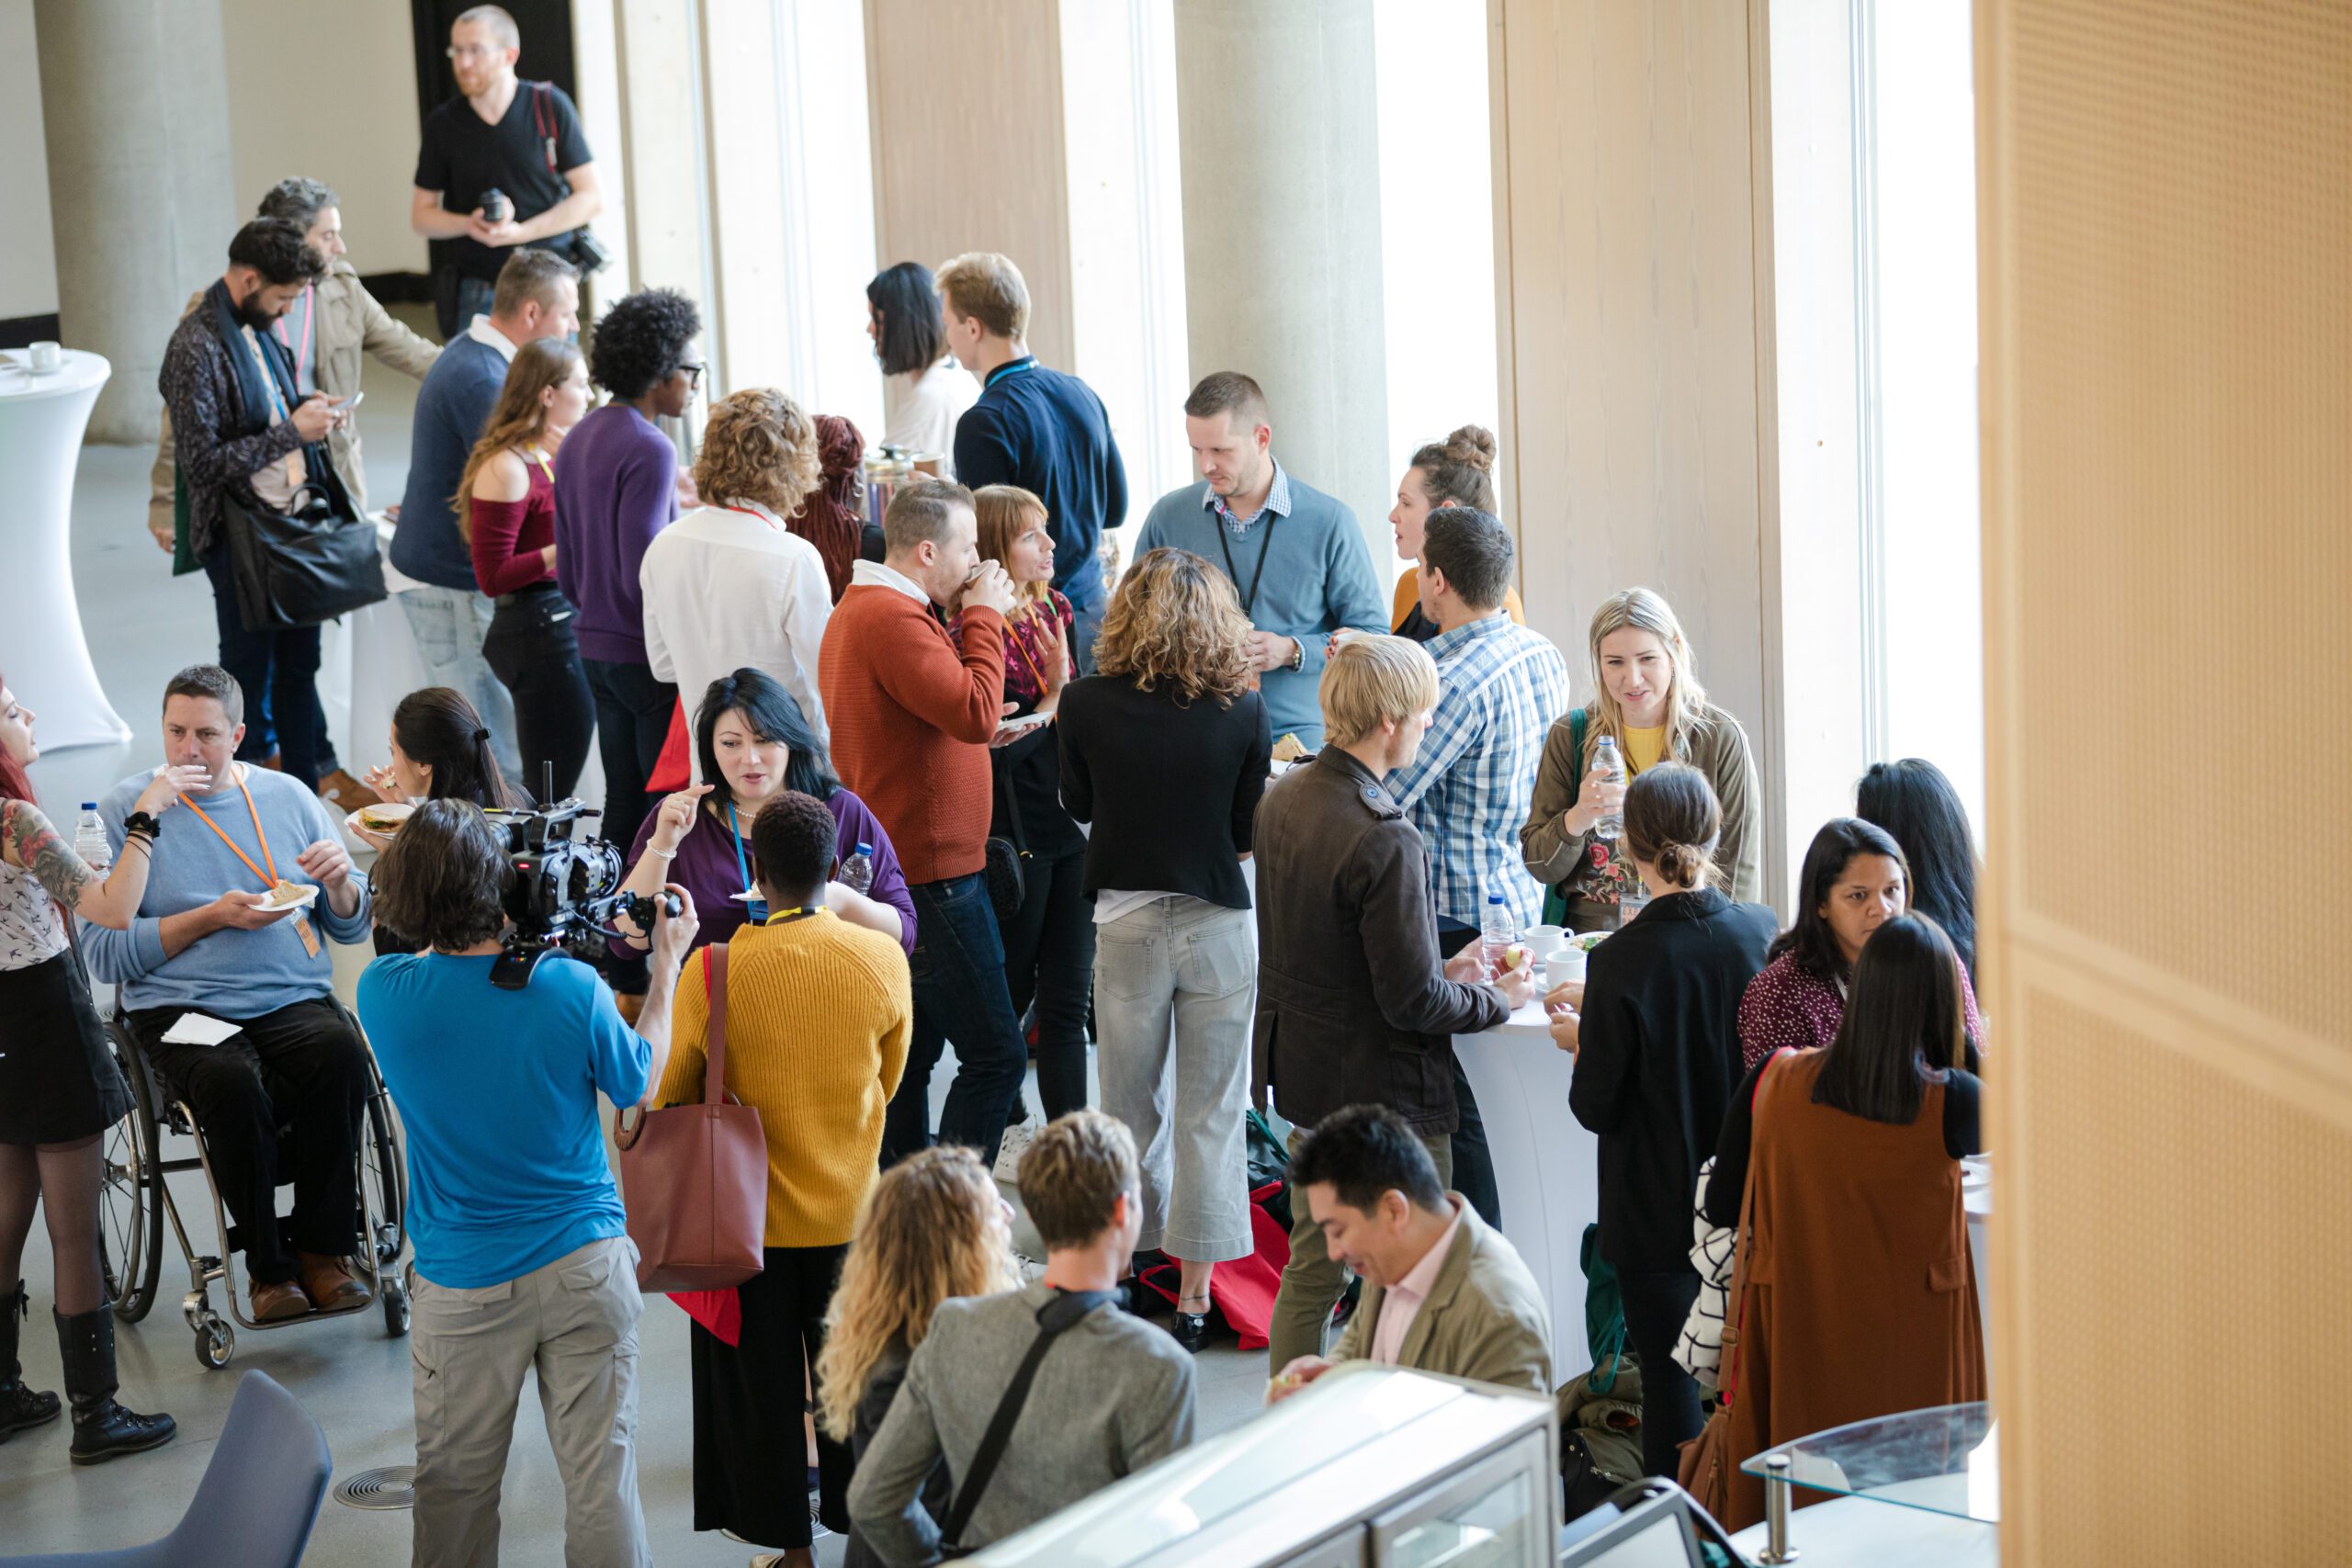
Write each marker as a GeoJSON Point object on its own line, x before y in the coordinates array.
{"type": "Point", "coordinates": [969, 155]}
{"type": "Point", "coordinates": [2165, 222]}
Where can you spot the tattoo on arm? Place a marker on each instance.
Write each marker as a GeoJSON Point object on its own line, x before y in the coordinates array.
{"type": "Point", "coordinates": [50, 858]}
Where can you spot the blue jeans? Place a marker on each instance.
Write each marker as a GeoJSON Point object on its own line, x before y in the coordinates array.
{"type": "Point", "coordinates": [473, 300]}
{"type": "Point", "coordinates": [957, 968]}
{"type": "Point", "coordinates": [1088, 600]}
{"type": "Point", "coordinates": [277, 670]}
{"type": "Point", "coordinates": [449, 625]}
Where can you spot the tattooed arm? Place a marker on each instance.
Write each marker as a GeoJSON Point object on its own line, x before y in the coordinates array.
{"type": "Point", "coordinates": [30, 843]}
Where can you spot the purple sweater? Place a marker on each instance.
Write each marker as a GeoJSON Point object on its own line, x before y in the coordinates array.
{"type": "Point", "coordinates": [615, 487]}
{"type": "Point", "coordinates": [706, 867]}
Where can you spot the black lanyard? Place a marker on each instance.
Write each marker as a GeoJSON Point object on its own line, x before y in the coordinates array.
{"type": "Point", "coordinates": [1249, 599]}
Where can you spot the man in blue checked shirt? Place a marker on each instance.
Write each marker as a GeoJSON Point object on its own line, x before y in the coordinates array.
{"type": "Point", "coordinates": [1499, 688]}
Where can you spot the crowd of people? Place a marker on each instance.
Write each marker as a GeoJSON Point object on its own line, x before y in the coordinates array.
{"type": "Point", "coordinates": [1227, 818]}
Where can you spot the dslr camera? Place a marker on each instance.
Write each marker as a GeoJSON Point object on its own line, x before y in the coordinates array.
{"type": "Point", "coordinates": [562, 893]}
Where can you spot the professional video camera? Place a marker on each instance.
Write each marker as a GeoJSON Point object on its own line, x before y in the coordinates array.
{"type": "Point", "coordinates": [564, 892]}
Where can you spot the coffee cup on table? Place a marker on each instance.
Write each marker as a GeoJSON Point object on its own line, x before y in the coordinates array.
{"type": "Point", "coordinates": [44, 356]}
{"type": "Point", "coordinates": [1567, 963]}
{"type": "Point", "coordinates": [1544, 941]}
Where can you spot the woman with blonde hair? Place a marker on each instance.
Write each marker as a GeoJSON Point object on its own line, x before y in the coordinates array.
{"type": "Point", "coordinates": [1166, 749]}
{"type": "Point", "coordinates": [730, 584]}
{"type": "Point", "coordinates": [1049, 940]}
{"type": "Point", "coordinates": [505, 506]}
{"type": "Point", "coordinates": [931, 1228]}
{"type": "Point", "coordinates": [1647, 700]}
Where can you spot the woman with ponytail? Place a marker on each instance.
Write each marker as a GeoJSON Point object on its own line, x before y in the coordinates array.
{"type": "Point", "coordinates": [440, 751]}
{"type": "Point", "coordinates": [1656, 1037]}
{"type": "Point", "coordinates": [1456, 472]}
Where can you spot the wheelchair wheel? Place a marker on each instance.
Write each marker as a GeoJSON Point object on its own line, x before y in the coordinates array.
{"type": "Point", "coordinates": [130, 1202]}
{"type": "Point", "coordinates": [381, 1169]}
{"type": "Point", "coordinates": [395, 1308]}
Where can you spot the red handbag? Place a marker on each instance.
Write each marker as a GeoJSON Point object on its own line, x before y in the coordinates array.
{"type": "Point", "coordinates": [694, 1177]}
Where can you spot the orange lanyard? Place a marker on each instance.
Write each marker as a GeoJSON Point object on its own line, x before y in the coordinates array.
{"type": "Point", "coordinates": [269, 882]}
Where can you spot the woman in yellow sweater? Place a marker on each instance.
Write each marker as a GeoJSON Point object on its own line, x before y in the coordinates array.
{"type": "Point", "coordinates": [817, 1017]}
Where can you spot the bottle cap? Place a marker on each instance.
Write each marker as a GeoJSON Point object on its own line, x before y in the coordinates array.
{"type": "Point", "coordinates": [866, 849]}
{"type": "Point", "coordinates": [89, 806]}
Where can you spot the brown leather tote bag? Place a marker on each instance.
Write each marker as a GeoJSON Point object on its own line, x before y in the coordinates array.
{"type": "Point", "coordinates": [694, 1177]}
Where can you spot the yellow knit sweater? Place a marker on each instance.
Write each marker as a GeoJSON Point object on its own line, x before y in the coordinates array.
{"type": "Point", "coordinates": [818, 1018]}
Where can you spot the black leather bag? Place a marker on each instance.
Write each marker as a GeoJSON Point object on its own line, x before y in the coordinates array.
{"type": "Point", "coordinates": [1006, 852]}
{"type": "Point", "coordinates": [303, 568]}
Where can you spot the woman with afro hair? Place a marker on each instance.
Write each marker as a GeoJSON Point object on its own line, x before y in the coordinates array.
{"type": "Point", "coordinates": [615, 487]}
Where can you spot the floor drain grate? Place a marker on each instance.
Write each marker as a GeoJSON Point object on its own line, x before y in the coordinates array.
{"type": "Point", "coordinates": [393, 1486]}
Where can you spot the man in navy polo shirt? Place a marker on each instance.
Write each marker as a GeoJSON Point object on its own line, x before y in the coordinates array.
{"type": "Point", "coordinates": [1037, 428]}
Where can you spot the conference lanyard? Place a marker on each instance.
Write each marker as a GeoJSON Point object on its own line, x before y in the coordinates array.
{"type": "Point", "coordinates": [797, 912]}
{"type": "Point", "coordinates": [1249, 600]}
{"type": "Point", "coordinates": [541, 459]}
{"type": "Point", "coordinates": [1018, 368]}
{"type": "Point", "coordinates": [309, 318]}
{"type": "Point", "coordinates": [741, 868]}
{"type": "Point", "coordinates": [747, 511]}
{"type": "Point", "coordinates": [302, 924]}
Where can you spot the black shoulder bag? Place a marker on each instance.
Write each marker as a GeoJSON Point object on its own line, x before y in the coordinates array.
{"type": "Point", "coordinates": [1065, 1310]}
{"type": "Point", "coordinates": [1007, 879]}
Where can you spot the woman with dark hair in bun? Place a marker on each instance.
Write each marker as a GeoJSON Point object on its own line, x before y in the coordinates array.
{"type": "Point", "coordinates": [1657, 1055]}
{"type": "Point", "coordinates": [1456, 472]}
{"type": "Point", "coordinates": [441, 750]}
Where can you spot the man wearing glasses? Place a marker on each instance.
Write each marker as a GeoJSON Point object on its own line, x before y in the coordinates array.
{"type": "Point", "coordinates": [521, 139]}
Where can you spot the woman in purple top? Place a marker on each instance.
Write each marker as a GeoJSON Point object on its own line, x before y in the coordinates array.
{"type": "Point", "coordinates": [1855, 880]}
{"type": "Point", "coordinates": [753, 742]}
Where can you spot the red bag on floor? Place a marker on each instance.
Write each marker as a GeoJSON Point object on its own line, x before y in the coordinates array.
{"type": "Point", "coordinates": [1242, 1290]}
{"type": "Point", "coordinates": [674, 769]}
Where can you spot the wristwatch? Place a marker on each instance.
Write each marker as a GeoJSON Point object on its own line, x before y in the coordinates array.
{"type": "Point", "coordinates": [1297, 653]}
{"type": "Point", "coordinates": [141, 822]}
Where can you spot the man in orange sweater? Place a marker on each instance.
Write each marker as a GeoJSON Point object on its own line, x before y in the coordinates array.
{"type": "Point", "coordinates": [912, 716]}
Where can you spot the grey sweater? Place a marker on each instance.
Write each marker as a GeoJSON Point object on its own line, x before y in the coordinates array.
{"type": "Point", "coordinates": [1113, 1395]}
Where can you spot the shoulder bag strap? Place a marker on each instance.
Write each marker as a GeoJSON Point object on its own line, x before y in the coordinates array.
{"type": "Point", "coordinates": [1575, 745]}
{"type": "Point", "coordinates": [1003, 768]}
{"type": "Point", "coordinates": [543, 121]}
{"type": "Point", "coordinates": [714, 1074]}
{"type": "Point", "coordinates": [1067, 1308]}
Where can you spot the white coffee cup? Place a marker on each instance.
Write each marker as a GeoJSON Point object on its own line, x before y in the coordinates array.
{"type": "Point", "coordinates": [1544, 941]}
{"type": "Point", "coordinates": [1567, 963]}
{"type": "Point", "coordinates": [45, 357]}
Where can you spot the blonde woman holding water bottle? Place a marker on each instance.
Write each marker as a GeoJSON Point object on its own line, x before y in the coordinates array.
{"type": "Point", "coordinates": [1647, 707]}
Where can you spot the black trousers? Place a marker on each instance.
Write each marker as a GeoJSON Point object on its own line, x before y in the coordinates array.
{"type": "Point", "coordinates": [1473, 1162]}
{"type": "Point", "coordinates": [751, 1451]}
{"type": "Point", "coordinates": [1049, 957]}
{"type": "Point", "coordinates": [304, 1066]}
{"type": "Point", "coordinates": [632, 720]}
{"type": "Point", "coordinates": [1657, 1305]}
{"type": "Point", "coordinates": [532, 648]}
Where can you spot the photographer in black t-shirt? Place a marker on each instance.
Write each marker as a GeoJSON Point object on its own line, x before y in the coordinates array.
{"type": "Point", "coordinates": [519, 138]}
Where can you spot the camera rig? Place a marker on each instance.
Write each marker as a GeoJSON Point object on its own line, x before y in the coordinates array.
{"type": "Point", "coordinates": [562, 893]}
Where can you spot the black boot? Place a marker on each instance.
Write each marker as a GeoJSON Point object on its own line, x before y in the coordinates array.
{"type": "Point", "coordinates": [20, 1408]}
{"type": "Point", "coordinates": [102, 1428]}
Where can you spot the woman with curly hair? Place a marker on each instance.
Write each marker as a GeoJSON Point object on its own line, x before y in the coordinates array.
{"type": "Point", "coordinates": [615, 487]}
{"type": "Point", "coordinates": [932, 1228]}
{"type": "Point", "coordinates": [730, 584]}
{"type": "Point", "coordinates": [1166, 749]}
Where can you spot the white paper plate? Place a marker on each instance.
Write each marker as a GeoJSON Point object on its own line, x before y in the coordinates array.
{"type": "Point", "coordinates": [309, 892]}
{"type": "Point", "coordinates": [401, 812]}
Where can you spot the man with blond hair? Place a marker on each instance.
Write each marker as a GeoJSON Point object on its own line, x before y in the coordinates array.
{"type": "Point", "coordinates": [1042, 430]}
{"type": "Point", "coordinates": [1355, 1007]}
{"type": "Point", "coordinates": [1097, 1394]}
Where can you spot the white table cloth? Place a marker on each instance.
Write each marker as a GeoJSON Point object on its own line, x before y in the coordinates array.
{"type": "Point", "coordinates": [42, 646]}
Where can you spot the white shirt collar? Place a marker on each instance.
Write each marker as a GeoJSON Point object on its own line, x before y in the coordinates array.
{"type": "Point", "coordinates": [483, 332]}
{"type": "Point", "coordinates": [874, 574]}
{"type": "Point", "coordinates": [766, 513]}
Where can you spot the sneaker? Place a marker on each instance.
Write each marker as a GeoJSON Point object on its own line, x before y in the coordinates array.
{"type": "Point", "coordinates": [1017, 1139]}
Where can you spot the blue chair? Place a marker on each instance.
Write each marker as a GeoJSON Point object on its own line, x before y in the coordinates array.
{"type": "Point", "coordinates": [259, 1497]}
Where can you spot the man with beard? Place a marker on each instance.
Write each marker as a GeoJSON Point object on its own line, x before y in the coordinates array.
{"type": "Point", "coordinates": [241, 428]}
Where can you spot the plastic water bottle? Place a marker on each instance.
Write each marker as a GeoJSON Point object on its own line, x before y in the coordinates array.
{"type": "Point", "coordinates": [90, 840]}
{"type": "Point", "coordinates": [857, 871]}
{"type": "Point", "coordinates": [1495, 934]}
{"type": "Point", "coordinates": [1612, 825]}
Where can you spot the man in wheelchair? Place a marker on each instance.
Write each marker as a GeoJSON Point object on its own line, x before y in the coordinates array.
{"type": "Point", "coordinates": [246, 886]}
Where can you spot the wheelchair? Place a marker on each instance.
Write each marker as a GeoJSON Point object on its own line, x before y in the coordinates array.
{"type": "Point", "coordinates": [136, 1199]}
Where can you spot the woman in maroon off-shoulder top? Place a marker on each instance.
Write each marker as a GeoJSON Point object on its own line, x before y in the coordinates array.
{"type": "Point", "coordinates": [506, 512]}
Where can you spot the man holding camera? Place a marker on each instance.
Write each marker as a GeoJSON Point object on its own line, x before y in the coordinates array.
{"type": "Point", "coordinates": [523, 1257]}
{"type": "Point", "coordinates": [503, 164]}
{"type": "Point", "coordinates": [211, 940]}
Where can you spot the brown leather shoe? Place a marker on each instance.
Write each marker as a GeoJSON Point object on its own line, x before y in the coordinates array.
{"type": "Point", "coordinates": [331, 1284]}
{"type": "Point", "coordinates": [342, 792]}
{"type": "Point", "coordinates": [276, 1302]}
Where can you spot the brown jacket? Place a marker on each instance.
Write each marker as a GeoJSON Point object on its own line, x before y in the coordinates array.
{"type": "Point", "coordinates": [1484, 1319]}
{"type": "Point", "coordinates": [1353, 1006]}
{"type": "Point", "coordinates": [350, 323]}
{"type": "Point", "coordinates": [1834, 1330]}
{"type": "Point", "coordinates": [1718, 748]}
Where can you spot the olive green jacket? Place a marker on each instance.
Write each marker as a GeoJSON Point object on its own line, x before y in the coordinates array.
{"type": "Point", "coordinates": [1718, 748]}
{"type": "Point", "coordinates": [1484, 1319]}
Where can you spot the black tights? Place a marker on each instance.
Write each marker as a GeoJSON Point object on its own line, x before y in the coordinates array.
{"type": "Point", "coordinates": [64, 1179]}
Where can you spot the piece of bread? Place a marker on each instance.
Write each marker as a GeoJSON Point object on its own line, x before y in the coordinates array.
{"type": "Point", "coordinates": [1288, 750]}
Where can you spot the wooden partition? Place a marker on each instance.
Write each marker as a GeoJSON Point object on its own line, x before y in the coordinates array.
{"type": "Point", "coordinates": [2165, 223]}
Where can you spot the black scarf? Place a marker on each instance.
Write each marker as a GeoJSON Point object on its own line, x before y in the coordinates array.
{"type": "Point", "coordinates": [252, 397]}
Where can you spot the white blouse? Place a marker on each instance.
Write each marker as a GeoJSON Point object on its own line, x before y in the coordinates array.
{"type": "Point", "coordinates": [920, 411]}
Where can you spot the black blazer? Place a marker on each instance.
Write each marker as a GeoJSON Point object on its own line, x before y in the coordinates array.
{"type": "Point", "coordinates": [1657, 1057]}
{"type": "Point", "coordinates": [1172, 788]}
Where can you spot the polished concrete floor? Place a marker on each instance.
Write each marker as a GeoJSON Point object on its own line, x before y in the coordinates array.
{"type": "Point", "coordinates": [144, 625]}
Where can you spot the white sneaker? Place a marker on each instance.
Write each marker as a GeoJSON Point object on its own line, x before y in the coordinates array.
{"type": "Point", "coordinates": [1017, 1139]}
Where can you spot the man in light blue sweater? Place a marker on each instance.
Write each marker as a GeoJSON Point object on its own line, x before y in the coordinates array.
{"type": "Point", "coordinates": [1296, 556]}
{"type": "Point", "coordinates": [210, 941]}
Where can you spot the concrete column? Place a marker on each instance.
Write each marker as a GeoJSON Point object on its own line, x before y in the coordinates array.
{"type": "Point", "coordinates": [141, 190]}
{"type": "Point", "coordinates": [1277, 108]}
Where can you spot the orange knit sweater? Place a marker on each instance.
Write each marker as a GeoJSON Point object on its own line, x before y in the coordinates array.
{"type": "Point", "coordinates": [818, 1018]}
{"type": "Point", "coordinates": [913, 714]}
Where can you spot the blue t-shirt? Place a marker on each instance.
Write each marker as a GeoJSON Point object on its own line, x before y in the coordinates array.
{"type": "Point", "coordinates": [497, 1096]}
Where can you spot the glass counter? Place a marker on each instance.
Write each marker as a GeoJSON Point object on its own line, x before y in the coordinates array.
{"type": "Point", "coordinates": [1941, 1461]}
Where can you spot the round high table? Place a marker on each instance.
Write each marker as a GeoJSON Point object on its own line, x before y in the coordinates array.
{"type": "Point", "coordinates": [1547, 1167]}
{"type": "Point", "coordinates": [42, 646]}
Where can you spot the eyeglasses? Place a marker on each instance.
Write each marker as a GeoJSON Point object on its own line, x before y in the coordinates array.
{"type": "Point", "coordinates": [694, 374]}
{"type": "Point", "coordinates": [471, 52]}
